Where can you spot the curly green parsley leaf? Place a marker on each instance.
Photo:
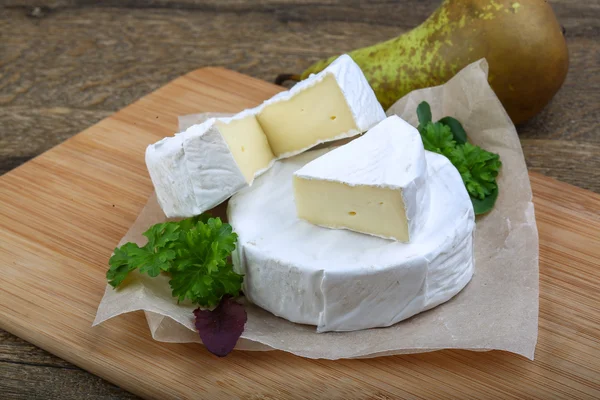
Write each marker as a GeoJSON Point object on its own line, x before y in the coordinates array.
{"type": "Point", "coordinates": [202, 272]}
{"type": "Point", "coordinates": [478, 168]}
{"type": "Point", "coordinates": [438, 138]}
{"type": "Point", "coordinates": [120, 264]}
{"type": "Point", "coordinates": [194, 251]}
{"type": "Point", "coordinates": [460, 136]}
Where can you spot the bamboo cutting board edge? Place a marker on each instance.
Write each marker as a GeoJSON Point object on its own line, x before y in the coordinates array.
{"type": "Point", "coordinates": [119, 192]}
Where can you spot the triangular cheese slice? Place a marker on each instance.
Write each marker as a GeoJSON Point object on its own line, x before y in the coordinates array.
{"type": "Point", "coordinates": [375, 184]}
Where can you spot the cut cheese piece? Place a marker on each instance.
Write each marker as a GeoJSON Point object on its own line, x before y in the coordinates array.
{"type": "Point", "coordinates": [196, 170]}
{"type": "Point", "coordinates": [341, 280]}
{"type": "Point", "coordinates": [174, 189]}
{"type": "Point", "coordinates": [248, 145]}
{"type": "Point", "coordinates": [376, 184]}
{"type": "Point", "coordinates": [203, 166]}
{"type": "Point", "coordinates": [314, 115]}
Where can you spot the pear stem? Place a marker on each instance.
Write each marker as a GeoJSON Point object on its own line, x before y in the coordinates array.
{"type": "Point", "coordinates": [286, 77]}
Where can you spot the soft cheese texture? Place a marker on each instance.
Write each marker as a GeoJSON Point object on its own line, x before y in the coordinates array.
{"type": "Point", "coordinates": [203, 166]}
{"type": "Point", "coordinates": [314, 115]}
{"type": "Point", "coordinates": [248, 145]}
{"type": "Point", "coordinates": [376, 184]}
{"type": "Point", "coordinates": [341, 280]}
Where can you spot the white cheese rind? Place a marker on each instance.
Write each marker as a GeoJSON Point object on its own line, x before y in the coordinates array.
{"type": "Point", "coordinates": [361, 98]}
{"type": "Point", "coordinates": [390, 155]}
{"type": "Point", "coordinates": [210, 167]}
{"type": "Point", "coordinates": [340, 280]}
{"type": "Point", "coordinates": [168, 172]}
{"type": "Point", "coordinates": [193, 171]}
{"type": "Point", "coordinates": [175, 164]}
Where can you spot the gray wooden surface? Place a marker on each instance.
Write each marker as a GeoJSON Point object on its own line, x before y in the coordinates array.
{"type": "Point", "coordinates": [66, 64]}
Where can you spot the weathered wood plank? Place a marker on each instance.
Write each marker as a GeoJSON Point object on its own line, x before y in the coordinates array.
{"type": "Point", "coordinates": [28, 372]}
{"type": "Point", "coordinates": [25, 381]}
{"type": "Point", "coordinates": [17, 351]}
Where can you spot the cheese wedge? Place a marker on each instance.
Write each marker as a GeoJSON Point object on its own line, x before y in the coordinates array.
{"type": "Point", "coordinates": [376, 184]}
{"type": "Point", "coordinates": [206, 164]}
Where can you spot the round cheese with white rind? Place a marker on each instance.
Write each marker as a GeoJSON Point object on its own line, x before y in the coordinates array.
{"type": "Point", "coordinates": [341, 280]}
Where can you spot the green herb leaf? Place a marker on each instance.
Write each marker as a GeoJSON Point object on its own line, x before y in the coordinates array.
{"type": "Point", "coordinates": [437, 138]}
{"type": "Point", "coordinates": [485, 205]}
{"type": "Point", "coordinates": [160, 235]}
{"type": "Point", "coordinates": [460, 136]}
{"type": "Point", "coordinates": [478, 169]}
{"type": "Point", "coordinates": [201, 272]}
{"type": "Point", "coordinates": [205, 288]}
{"type": "Point", "coordinates": [194, 251]}
{"type": "Point", "coordinates": [157, 254]}
{"type": "Point", "coordinates": [120, 264]}
{"type": "Point", "coordinates": [424, 113]}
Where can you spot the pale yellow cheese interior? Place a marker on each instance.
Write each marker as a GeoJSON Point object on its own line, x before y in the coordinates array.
{"type": "Point", "coordinates": [248, 145]}
{"type": "Point", "coordinates": [366, 209]}
{"type": "Point", "coordinates": [314, 115]}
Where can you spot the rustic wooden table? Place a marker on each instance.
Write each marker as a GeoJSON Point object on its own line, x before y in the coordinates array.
{"type": "Point", "coordinates": [66, 64]}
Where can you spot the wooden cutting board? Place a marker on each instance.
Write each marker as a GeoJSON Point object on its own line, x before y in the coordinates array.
{"type": "Point", "coordinates": [62, 213]}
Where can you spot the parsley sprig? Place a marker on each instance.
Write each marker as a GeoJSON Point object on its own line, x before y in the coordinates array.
{"type": "Point", "coordinates": [194, 252]}
{"type": "Point", "coordinates": [478, 168]}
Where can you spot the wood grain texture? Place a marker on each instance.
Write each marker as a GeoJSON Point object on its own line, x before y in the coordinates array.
{"type": "Point", "coordinates": [62, 213]}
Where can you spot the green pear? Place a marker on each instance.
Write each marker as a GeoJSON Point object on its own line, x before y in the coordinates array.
{"type": "Point", "coordinates": [521, 40]}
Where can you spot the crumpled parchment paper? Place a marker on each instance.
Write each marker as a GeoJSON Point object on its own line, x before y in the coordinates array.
{"type": "Point", "coordinates": [497, 310]}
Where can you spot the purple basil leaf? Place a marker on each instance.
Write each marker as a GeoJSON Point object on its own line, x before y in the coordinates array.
{"type": "Point", "coordinates": [221, 328]}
